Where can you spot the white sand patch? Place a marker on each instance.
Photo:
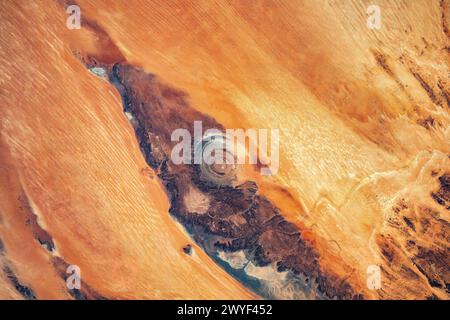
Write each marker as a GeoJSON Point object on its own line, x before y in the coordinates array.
{"type": "Point", "coordinates": [236, 260]}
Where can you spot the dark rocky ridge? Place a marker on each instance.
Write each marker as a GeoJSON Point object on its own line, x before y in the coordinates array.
{"type": "Point", "coordinates": [85, 292]}
{"type": "Point", "coordinates": [26, 292]}
{"type": "Point", "coordinates": [442, 196]}
{"type": "Point", "coordinates": [262, 232]}
{"type": "Point", "coordinates": [6, 266]}
{"type": "Point", "coordinates": [40, 234]}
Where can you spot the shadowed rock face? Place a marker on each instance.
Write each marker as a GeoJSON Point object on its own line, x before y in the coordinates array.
{"type": "Point", "coordinates": [237, 217]}
{"type": "Point", "coordinates": [442, 196]}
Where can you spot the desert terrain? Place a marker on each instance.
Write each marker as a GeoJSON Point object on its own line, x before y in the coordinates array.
{"type": "Point", "coordinates": [86, 178]}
